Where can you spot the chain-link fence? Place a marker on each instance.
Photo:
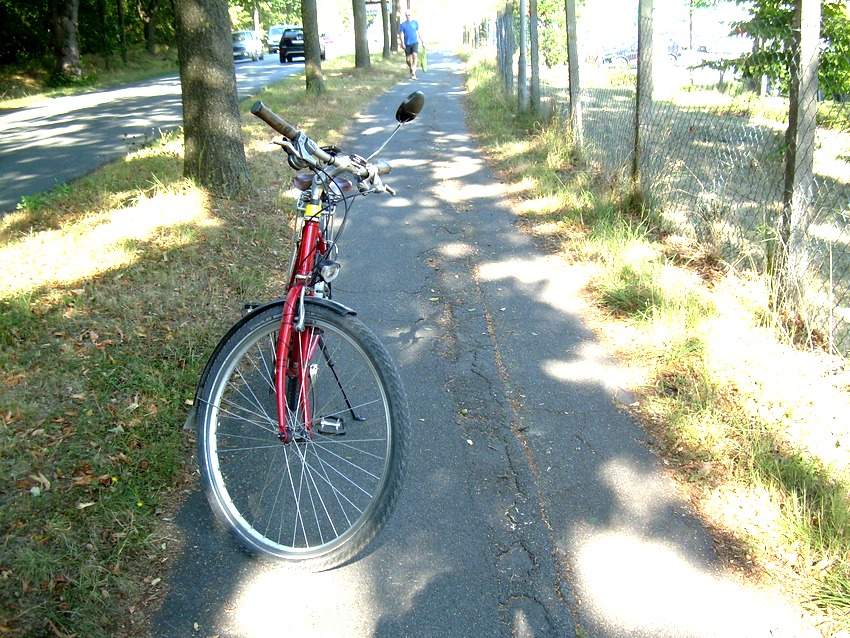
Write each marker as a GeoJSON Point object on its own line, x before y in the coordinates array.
{"type": "Point", "coordinates": [741, 142]}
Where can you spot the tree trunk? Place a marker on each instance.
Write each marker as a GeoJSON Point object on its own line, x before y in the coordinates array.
{"type": "Point", "coordinates": [361, 37]}
{"type": "Point", "coordinates": [385, 24]}
{"type": "Point", "coordinates": [535, 58]}
{"type": "Point", "coordinates": [122, 27]}
{"type": "Point", "coordinates": [395, 22]}
{"type": "Point", "coordinates": [522, 65]}
{"type": "Point", "coordinates": [800, 142]}
{"type": "Point", "coordinates": [643, 94]}
{"type": "Point", "coordinates": [66, 47]}
{"type": "Point", "coordinates": [147, 12]}
{"type": "Point", "coordinates": [214, 153]}
{"type": "Point", "coordinates": [576, 125]}
{"type": "Point", "coordinates": [312, 47]}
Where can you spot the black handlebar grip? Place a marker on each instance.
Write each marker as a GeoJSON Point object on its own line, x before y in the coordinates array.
{"type": "Point", "coordinates": [275, 121]}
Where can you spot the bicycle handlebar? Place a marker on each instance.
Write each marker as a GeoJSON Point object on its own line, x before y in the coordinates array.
{"type": "Point", "coordinates": [275, 121]}
{"type": "Point", "coordinates": [304, 145]}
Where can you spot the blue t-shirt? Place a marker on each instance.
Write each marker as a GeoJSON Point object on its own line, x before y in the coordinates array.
{"type": "Point", "coordinates": [409, 29]}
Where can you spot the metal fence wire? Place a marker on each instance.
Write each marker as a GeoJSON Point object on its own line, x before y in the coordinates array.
{"type": "Point", "coordinates": [745, 150]}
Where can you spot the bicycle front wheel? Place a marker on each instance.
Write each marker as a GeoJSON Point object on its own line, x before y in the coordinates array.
{"type": "Point", "coordinates": [320, 498]}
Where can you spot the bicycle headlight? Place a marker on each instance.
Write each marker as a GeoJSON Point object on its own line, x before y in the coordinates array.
{"type": "Point", "coordinates": [328, 270]}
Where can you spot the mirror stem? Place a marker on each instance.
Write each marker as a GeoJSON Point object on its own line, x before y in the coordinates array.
{"type": "Point", "coordinates": [381, 148]}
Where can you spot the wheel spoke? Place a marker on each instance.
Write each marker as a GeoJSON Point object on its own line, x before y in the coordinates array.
{"type": "Point", "coordinates": [317, 497]}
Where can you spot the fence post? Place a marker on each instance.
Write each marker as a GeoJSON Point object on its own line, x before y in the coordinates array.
{"type": "Point", "coordinates": [505, 46]}
{"type": "Point", "coordinates": [643, 96]}
{"type": "Point", "coordinates": [576, 125]}
{"type": "Point", "coordinates": [522, 71]}
{"type": "Point", "coordinates": [800, 139]}
{"type": "Point", "coordinates": [535, 57]}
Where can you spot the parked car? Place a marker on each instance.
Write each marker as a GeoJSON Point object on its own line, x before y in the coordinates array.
{"type": "Point", "coordinates": [627, 56]}
{"type": "Point", "coordinates": [292, 45]}
{"type": "Point", "coordinates": [247, 45]}
{"type": "Point", "coordinates": [622, 57]}
{"type": "Point", "coordinates": [274, 35]}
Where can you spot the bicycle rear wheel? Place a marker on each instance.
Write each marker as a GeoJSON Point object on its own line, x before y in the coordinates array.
{"type": "Point", "coordinates": [319, 499]}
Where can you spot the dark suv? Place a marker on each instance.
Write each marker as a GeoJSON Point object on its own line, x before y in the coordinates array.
{"type": "Point", "coordinates": [292, 45]}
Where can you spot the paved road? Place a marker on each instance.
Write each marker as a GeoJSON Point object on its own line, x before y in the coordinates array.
{"type": "Point", "coordinates": [47, 145]}
{"type": "Point", "coordinates": [532, 505]}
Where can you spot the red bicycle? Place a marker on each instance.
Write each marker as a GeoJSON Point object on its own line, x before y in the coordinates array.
{"type": "Point", "coordinates": [301, 415]}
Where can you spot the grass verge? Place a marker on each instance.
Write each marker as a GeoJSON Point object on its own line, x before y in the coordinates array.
{"type": "Point", "coordinates": [116, 289]}
{"type": "Point", "coordinates": [755, 430]}
{"type": "Point", "coordinates": [28, 84]}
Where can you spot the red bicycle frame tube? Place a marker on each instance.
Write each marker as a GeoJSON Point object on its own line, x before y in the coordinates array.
{"type": "Point", "coordinates": [287, 361]}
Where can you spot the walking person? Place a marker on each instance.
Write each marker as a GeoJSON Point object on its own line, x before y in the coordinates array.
{"type": "Point", "coordinates": [408, 33]}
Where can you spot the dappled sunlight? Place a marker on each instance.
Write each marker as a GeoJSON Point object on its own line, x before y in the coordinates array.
{"type": "Point", "coordinates": [409, 162]}
{"type": "Point", "coordinates": [542, 205]}
{"type": "Point", "coordinates": [278, 600]}
{"type": "Point", "coordinates": [100, 242]}
{"type": "Point", "coordinates": [458, 191]}
{"type": "Point", "coordinates": [456, 249]}
{"type": "Point", "coordinates": [460, 166]}
{"type": "Point", "coordinates": [634, 582]}
{"type": "Point", "coordinates": [560, 281]}
{"type": "Point", "coordinates": [524, 185]}
{"type": "Point", "coordinates": [590, 363]}
{"type": "Point", "coordinates": [647, 588]}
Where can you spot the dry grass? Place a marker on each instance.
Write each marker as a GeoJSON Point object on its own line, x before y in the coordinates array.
{"type": "Point", "coordinates": [114, 292]}
{"type": "Point", "coordinates": [754, 429]}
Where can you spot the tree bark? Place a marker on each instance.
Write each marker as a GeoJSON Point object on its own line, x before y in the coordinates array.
{"type": "Point", "coordinates": [66, 47]}
{"type": "Point", "coordinates": [522, 65]}
{"type": "Point", "coordinates": [535, 58]}
{"type": "Point", "coordinates": [800, 141]}
{"type": "Point", "coordinates": [361, 37]}
{"type": "Point", "coordinates": [147, 12]}
{"type": "Point", "coordinates": [395, 22]}
{"type": "Point", "coordinates": [122, 27]}
{"type": "Point", "coordinates": [576, 125]}
{"type": "Point", "coordinates": [385, 24]}
{"type": "Point", "coordinates": [214, 153]}
{"type": "Point", "coordinates": [312, 47]}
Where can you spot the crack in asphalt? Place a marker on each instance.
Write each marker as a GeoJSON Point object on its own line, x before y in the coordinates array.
{"type": "Point", "coordinates": [534, 574]}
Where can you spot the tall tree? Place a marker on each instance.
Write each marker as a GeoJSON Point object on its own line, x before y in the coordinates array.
{"type": "Point", "coordinates": [312, 48]}
{"type": "Point", "coordinates": [576, 123]}
{"type": "Point", "coordinates": [66, 46]}
{"type": "Point", "coordinates": [147, 12]}
{"type": "Point", "coordinates": [395, 21]}
{"type": "Point", "coordinates": [214, 154]}
{"type": "Point", "coordinates": [535, 57]}
{"type": "Point", "coordinates": [770, 25]}
{"type": "Point", "coordinates": [122, 31]}
{"type": "Point", "coordinates": [386, 28]}
{"type": "Point", "coordinates": [361, 38]}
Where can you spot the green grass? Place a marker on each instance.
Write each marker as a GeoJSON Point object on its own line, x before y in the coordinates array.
{"type": "Point", "coordinates": [25, 85]}
{"type": "Point", "coordinates": [122, 286]}
{"type": "Point", "coordinates": [734, 408]}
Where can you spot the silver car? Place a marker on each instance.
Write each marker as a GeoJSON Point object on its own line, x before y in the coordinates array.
{"type": "Point", "coordinates": [247, 45]}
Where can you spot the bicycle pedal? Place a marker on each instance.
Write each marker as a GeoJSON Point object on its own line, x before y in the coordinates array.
{"type": "Point", "coordinates": [331, 426]}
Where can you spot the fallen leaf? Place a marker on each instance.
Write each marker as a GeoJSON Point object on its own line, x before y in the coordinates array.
{"type": "Point", "coordinates": [41, 480]}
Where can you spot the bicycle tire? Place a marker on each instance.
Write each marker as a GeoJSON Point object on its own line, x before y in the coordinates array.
{"type": "Point", "coordinates": [318, 500]}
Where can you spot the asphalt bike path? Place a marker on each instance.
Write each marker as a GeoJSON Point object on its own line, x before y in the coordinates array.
{"type": "Point", "coordinates": [532, 506]}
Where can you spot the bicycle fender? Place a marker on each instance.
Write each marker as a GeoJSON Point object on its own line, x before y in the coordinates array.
{"type": "Point", "coordinates": [330, 304]}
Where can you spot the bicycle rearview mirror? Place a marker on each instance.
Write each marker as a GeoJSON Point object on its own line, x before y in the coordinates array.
{"type": "Point", "coordinates": [410, 108]}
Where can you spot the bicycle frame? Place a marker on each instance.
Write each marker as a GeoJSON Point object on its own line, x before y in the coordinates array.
{"type": "Point", "coordinates": [290, 364]}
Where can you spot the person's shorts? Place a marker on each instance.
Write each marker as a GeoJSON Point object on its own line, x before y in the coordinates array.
{"type": "Point", "coordinates": [410, 49]}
